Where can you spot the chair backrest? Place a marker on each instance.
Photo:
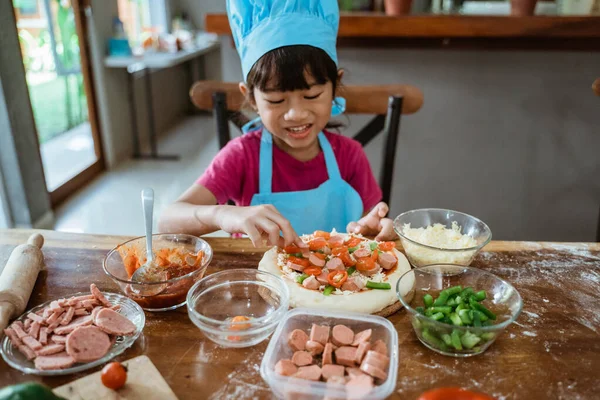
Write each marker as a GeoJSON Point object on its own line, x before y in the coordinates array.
{"type": "Point", "coordinates": [386, 102]}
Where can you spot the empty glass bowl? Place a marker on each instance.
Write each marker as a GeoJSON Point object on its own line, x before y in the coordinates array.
{"type": "Point", "coordinates": [238, 307]}
{"type": "Point", "coordinates": [163, 295]}
{"type": "Point", "coordinates": [447, 338]}
{"type": "Point", "coordinates": [420, 254]}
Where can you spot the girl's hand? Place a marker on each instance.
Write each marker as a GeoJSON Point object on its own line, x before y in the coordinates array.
{"type": "Point", "coordinates": [260, 223]}
{"type": "Point", "coordinates": [375, 223]}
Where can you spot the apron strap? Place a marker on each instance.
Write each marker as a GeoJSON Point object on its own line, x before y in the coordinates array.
{"type": "Point", "coordinates": [333, 171]}
{"type": "Point", "coordinates": [251, 125]}
{"type": "Point", "coordinates": [265, 163]}
{"type": "Point", "coordinates": [265, 169]}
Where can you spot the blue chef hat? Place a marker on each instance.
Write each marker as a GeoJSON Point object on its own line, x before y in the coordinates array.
{"type": "Point", "coordinates": [259, 26]}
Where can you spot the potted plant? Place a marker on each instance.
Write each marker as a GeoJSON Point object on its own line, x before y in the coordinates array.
{"type": "Point", "coordinates": [398, 7]}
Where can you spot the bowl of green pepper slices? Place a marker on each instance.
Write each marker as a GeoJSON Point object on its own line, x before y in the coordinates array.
{"type": "Point", "coordinates": [457, 310]}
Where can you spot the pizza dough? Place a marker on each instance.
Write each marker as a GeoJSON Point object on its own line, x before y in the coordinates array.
{"type": "Point", "coordinates": [380, 302]}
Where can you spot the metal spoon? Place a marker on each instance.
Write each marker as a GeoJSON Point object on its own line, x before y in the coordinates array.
{"type": "Point", "coordinates": [149, 272]}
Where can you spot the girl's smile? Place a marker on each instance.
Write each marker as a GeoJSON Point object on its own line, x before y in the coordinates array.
{"type": "Point", "coordinates": [299, 132]}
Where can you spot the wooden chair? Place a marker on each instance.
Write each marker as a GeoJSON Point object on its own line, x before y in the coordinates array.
{"type": "Point", "coordinates": [596, 89]}
{"type": "Point", "coordinates": [386, 102]}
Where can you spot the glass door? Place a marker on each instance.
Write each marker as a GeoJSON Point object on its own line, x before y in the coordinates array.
{"type": "Point", "coordinates": [55, 56]}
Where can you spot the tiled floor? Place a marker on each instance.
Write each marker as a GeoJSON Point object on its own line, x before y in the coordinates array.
{"type": "Point", "coordinates": [112, 205]}
{"type": "Point", "coordinates": [67, 154]}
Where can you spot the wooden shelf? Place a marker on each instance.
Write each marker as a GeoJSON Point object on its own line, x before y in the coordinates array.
{"type": "Point", "coordinates": [543, 32]}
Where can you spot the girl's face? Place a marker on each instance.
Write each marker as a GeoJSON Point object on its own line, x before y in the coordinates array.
{"type": "Point", "coordinates": [295, 117]}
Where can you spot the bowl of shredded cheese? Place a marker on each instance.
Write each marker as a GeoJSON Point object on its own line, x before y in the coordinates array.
{"type": "Point", "coordinates": [438, 236]}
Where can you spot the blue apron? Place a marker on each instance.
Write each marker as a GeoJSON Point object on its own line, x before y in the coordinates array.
{"type": "Point", "coordinates": [333, 204]}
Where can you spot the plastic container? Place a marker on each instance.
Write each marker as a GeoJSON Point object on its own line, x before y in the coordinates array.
{"type": "Point", "coordinates": [421, 254]}
{"type": "Point", "coordinates": [303, 318]}
{"type": "Point", "coordinates": [258, 299]}
{"type": "Point", "coordinates": [502, 298]}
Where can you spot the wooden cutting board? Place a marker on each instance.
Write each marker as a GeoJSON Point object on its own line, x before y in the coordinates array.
{"type": "Point", "coordinates": [144, 382]}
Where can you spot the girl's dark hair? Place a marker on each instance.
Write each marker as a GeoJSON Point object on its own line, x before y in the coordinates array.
{"type": "Point", "coordinates": [280, 70]}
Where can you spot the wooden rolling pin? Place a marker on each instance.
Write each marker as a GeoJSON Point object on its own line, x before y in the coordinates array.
{"type": "Point", "coordinates": [18, 278]}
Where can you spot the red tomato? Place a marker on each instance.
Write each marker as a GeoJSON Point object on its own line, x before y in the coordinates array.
{"type": "Point", "coordinates": [300, 261]}
{"type": "Point", "coordinates": [292, 248]}
{"type": "Point", "coordinates": [453, 393]}
{"type": "Point", "coordinates": [320, 256]}
{"type": "Point", "coordinates": [353, 241]}
{"type": "Point", "coordinates": [317, 243]}
{"type": "Point", "coordinates": [337, 278]}
{"type": "Point", "coordinates": [316, 271]}
{"type": "Point", "coordinates": [322, 234]}
{"type": "Point", "coordinates": [113, 375]}
{"type": "Point", "coordinates": [342, 254]}
{"type": "Point", "coordinates": [387, 246]}
{"type": "Point", "coordinates": [365, 264]}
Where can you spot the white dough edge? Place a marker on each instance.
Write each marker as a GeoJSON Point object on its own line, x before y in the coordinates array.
{"type": "Point", "coordinates": [367, 302]}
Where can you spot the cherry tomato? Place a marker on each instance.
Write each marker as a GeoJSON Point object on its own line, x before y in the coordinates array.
{"type": "Point", "coordinates": [375, 256]}
{"type": "Point", "coordinates": [353, 241]}
{"type": "Point", "coordinates": [322, 234]}
{"type": "Point", "coordinates": [235, 326]}
{"type": "Point", "coordinates": [320, 256]}
{"type": "Point", "coordinates": [300, 261]}
{"type": "Point", "coordinates": [342, 254]}
{"type": "Point", "coordinates": [387, 246]}
{"type": "Point", "coordinates": [114, 375]}
{"type": "Point", "coordinates": [317, 243]}
{"type": "Point", "coordinates": [336, 251]}
{"type": "Point", "coordinates": [453, 393]}
{"type": "Point", "coordinates": [316, 271]}
{"type": "Point", "coordinates": [365, 264]}
{"type": "Point", "coordinates": [337, 278]}
{"type": "Point", "coordinates": [292, 248]}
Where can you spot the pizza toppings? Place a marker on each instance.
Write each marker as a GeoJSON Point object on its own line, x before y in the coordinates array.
{"type": "Point", "coordinates": [311, 283]}
{"type": "Point", "coordinates": [339, 264]}
{"type": "Point", "coordinates": [337, 278]}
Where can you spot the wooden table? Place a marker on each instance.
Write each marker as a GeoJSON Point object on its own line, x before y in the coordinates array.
{"type": "Point", "coordinates": [552, 351]}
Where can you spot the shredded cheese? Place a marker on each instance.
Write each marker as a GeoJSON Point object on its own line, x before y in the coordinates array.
{"type": "Point", "coordinates": [378, 277]}
{"type": "Point", "coordinates": [441, 237]}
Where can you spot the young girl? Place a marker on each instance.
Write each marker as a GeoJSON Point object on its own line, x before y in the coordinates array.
{"type": "Point", "coordinates": [290, 176]}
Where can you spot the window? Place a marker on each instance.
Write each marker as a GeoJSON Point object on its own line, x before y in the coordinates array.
{"type": "Point", "coordinates": [26, 7]}
{"type": "Point", "coordinates": [141, 18]}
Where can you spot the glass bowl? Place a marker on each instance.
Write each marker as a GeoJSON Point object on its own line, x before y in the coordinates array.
{"type": "Point", "coordinates": [238, 307]}
{"type": "Point", "coordinates": [128, 309]}
{"type": "Point", "coordinates": [162, 295]}
{"type": "Point", "coordinates": [502, 299]}
{"type": "Point", "coordinates": [420, 254]}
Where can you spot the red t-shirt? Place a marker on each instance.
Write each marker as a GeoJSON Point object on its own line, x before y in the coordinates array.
{"type": "Point", "coordinates": [233, 173]}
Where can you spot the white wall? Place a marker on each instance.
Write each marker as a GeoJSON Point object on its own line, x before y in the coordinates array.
{"type": "Point", "coordinates": [509, 136]}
